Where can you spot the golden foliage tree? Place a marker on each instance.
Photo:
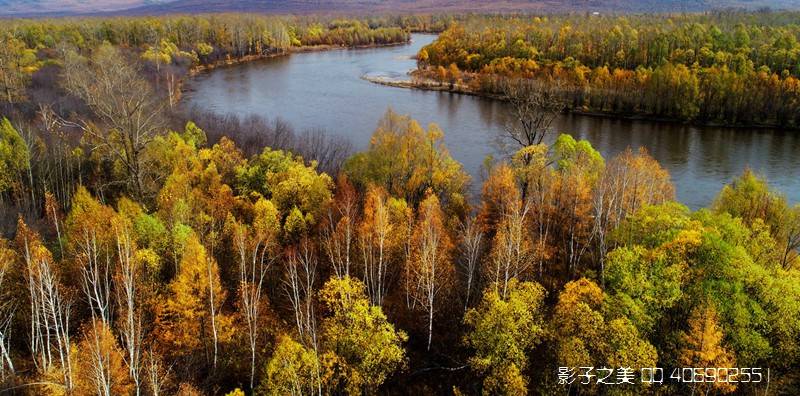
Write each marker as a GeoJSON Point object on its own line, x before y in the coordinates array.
{"type": "Point", "coordinates": [408, 160]}
{"type": "Point", "coordinates": [190, 318]}
{"type": "Point", "coordinates": [630, 181]}
{"type": "Point", "coordinates": [100, 367]}
{"type": "Point", "coordinates": [703, 346]}
{"type": "Point", "coordinates": [503, 331]}
{"type": "Point", "coordinates": [584, 336]}
{"type": "Point", "coordinates": [380, 241]}
{"type": "Point", "coordinates": [292, 370]}
{"type": "Point", "coordinates": [499, 194]}
{"type": "Point", "coordinates": [362, 347]}
{"type": "Point", "coordinates": [90, 229]}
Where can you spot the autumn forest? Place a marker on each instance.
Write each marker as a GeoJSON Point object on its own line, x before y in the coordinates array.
{"type": "Point", "coordinates": [151, 249]}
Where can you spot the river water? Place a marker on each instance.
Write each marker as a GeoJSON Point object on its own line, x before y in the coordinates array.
{"type": "Point", "coordinates": [326, 90]}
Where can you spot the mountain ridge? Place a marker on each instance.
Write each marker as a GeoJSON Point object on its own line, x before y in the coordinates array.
{"type": "Point", "coordinates": [34, 8]}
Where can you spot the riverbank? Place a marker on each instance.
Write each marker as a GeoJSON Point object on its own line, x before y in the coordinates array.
{"type": "Point", "coordinates": [200, 69]}
{"type": "Point", "coordinates": [195, 70]}
{"type": "Point", "coordinates": [327, 91]}
{"type": "Point", "coordinates": [428, 84]}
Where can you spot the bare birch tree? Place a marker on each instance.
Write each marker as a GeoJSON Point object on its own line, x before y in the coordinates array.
{"type": "Point", "coordinates": [256, 248]}
{"type": "Point", "coordinates": [100, 363]}
{"type": "Point", "coordinates": [511, 256]}
{"type": "Point", "coordinates": [212, 276]}
{"type": "Point", "coordinates": [131, 321]}
{"type": "Point", "coordinates": [50, 310]}
{"type": "Point", "coordinates": [471, 245]}
{"type": "Point", "coordinates": [340, 229]}
{"type": "Point", "coordinates": [375, 232]}
{"type": "Point", "coordinates": [301, 272]}
{"type": "Point", "coordinates": [6, 315]}
{"type": "Point", "coordinates": [95, 274]}
{"type": "Point", "coordinates": [6, 364]}
{"type": "Point", "coordinates": [431, 267]}
{"type": "Point", "coordinates": [157, 373]}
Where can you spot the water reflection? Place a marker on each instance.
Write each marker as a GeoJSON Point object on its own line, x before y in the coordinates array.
{"type": "Point", "coordinates": [325, 90]}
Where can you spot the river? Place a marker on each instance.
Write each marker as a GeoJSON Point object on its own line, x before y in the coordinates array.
{"type": "Point", "coordinates": [326, 90]}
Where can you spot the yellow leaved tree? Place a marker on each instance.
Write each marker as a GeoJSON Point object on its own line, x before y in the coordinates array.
{"type": "Point", "coordinates": [190, 318]}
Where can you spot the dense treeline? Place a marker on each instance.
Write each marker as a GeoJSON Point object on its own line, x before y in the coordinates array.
{"type": "Point", "coordinates": [227, 34]}
{"type": "Point", "coordinates": [264, 274]}
{"type": "Point", "coordinates": [145, 254]}
{"type": "Point", "coordinates": [31, 51]}
{"type": "Point", "coordinates": [722, 67]}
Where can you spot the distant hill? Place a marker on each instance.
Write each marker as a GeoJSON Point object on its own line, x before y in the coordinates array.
{"type": "Point", "coordinates": [147, 7]}
{"type": "Point", "coordinates": [68, 7]}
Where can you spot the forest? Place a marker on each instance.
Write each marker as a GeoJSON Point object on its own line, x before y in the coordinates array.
{"type": "Point", "coordinates": [724, 68]}
{"type": "Point", "coordinates": [146, 249]}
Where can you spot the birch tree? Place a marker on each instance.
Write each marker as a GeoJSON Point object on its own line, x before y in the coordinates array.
{"type": "Point", "coordinates": [292, 370]}
{"type": "Point", "coordinates": [511, 251]}
{"type": "Point", "coordinates": [256, 248]}
{"type": "Point", "coordinates": [340, 229]}
{"type": "Point", "coordinates": [375, 242]}
{"type": "Point", "coordinates": [157, 374]}
{"type": "Point", "coordinates": [532, 165]}
{"type": "Point", "coordinates": [360, 345]}
{"type": "Point", "coordinates": [299, 280]}
{"type": "Point", "coordinates": [90, 234]}
{"type": "Point", "coordinates": [7, 309]}
{"type": "Point", "coordinates": [503, 330]}
{"type": "Point", "coordinates": [629, 182]}
{"type": "Point", "coordinates": [100, 365]}
{"type": "Point", "coordinates": [432, 269]}
{"type": "Point", "coordinates": [471, 245]}
{"type": "Point", "coordinates": [578, 167]}
{"type": "Point", "coordinates": [50, 308]}
{"type": "Point", "coordinates": [130, 324]}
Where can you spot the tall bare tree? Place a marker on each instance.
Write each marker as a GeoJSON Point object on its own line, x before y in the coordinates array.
{"type": "Point", "coordinates": [301, 274]}
{"type": "Point", "coordinates": [374, 240]}
{"type": "Point", "coordinates": [471, 245]}
{"type": "Point", "coordinates": [6, 315]}
{"type": "Point", "coordinates": [50, 309]}
{"type": "Point", "coordinates": [511, 251]}
{"type": "Point", "coordinates": [157, 373]}
{"type": "Point", "coordinates": [96, 274]}
{"type": "Point", "coordinates": [534, 107]}
{"type": "Point", "coordinates": [6, 364]}
{"type": "Point", "coordinates": [129, 111]}
{"type": "Point", "coordinates": [256, 248]}
{"type": "Point", "coordinates": [131, 323]}
{"type": "Point", "coordinates": [431, 267]}
{"type": "Point", "coordinates": [340, 228]}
